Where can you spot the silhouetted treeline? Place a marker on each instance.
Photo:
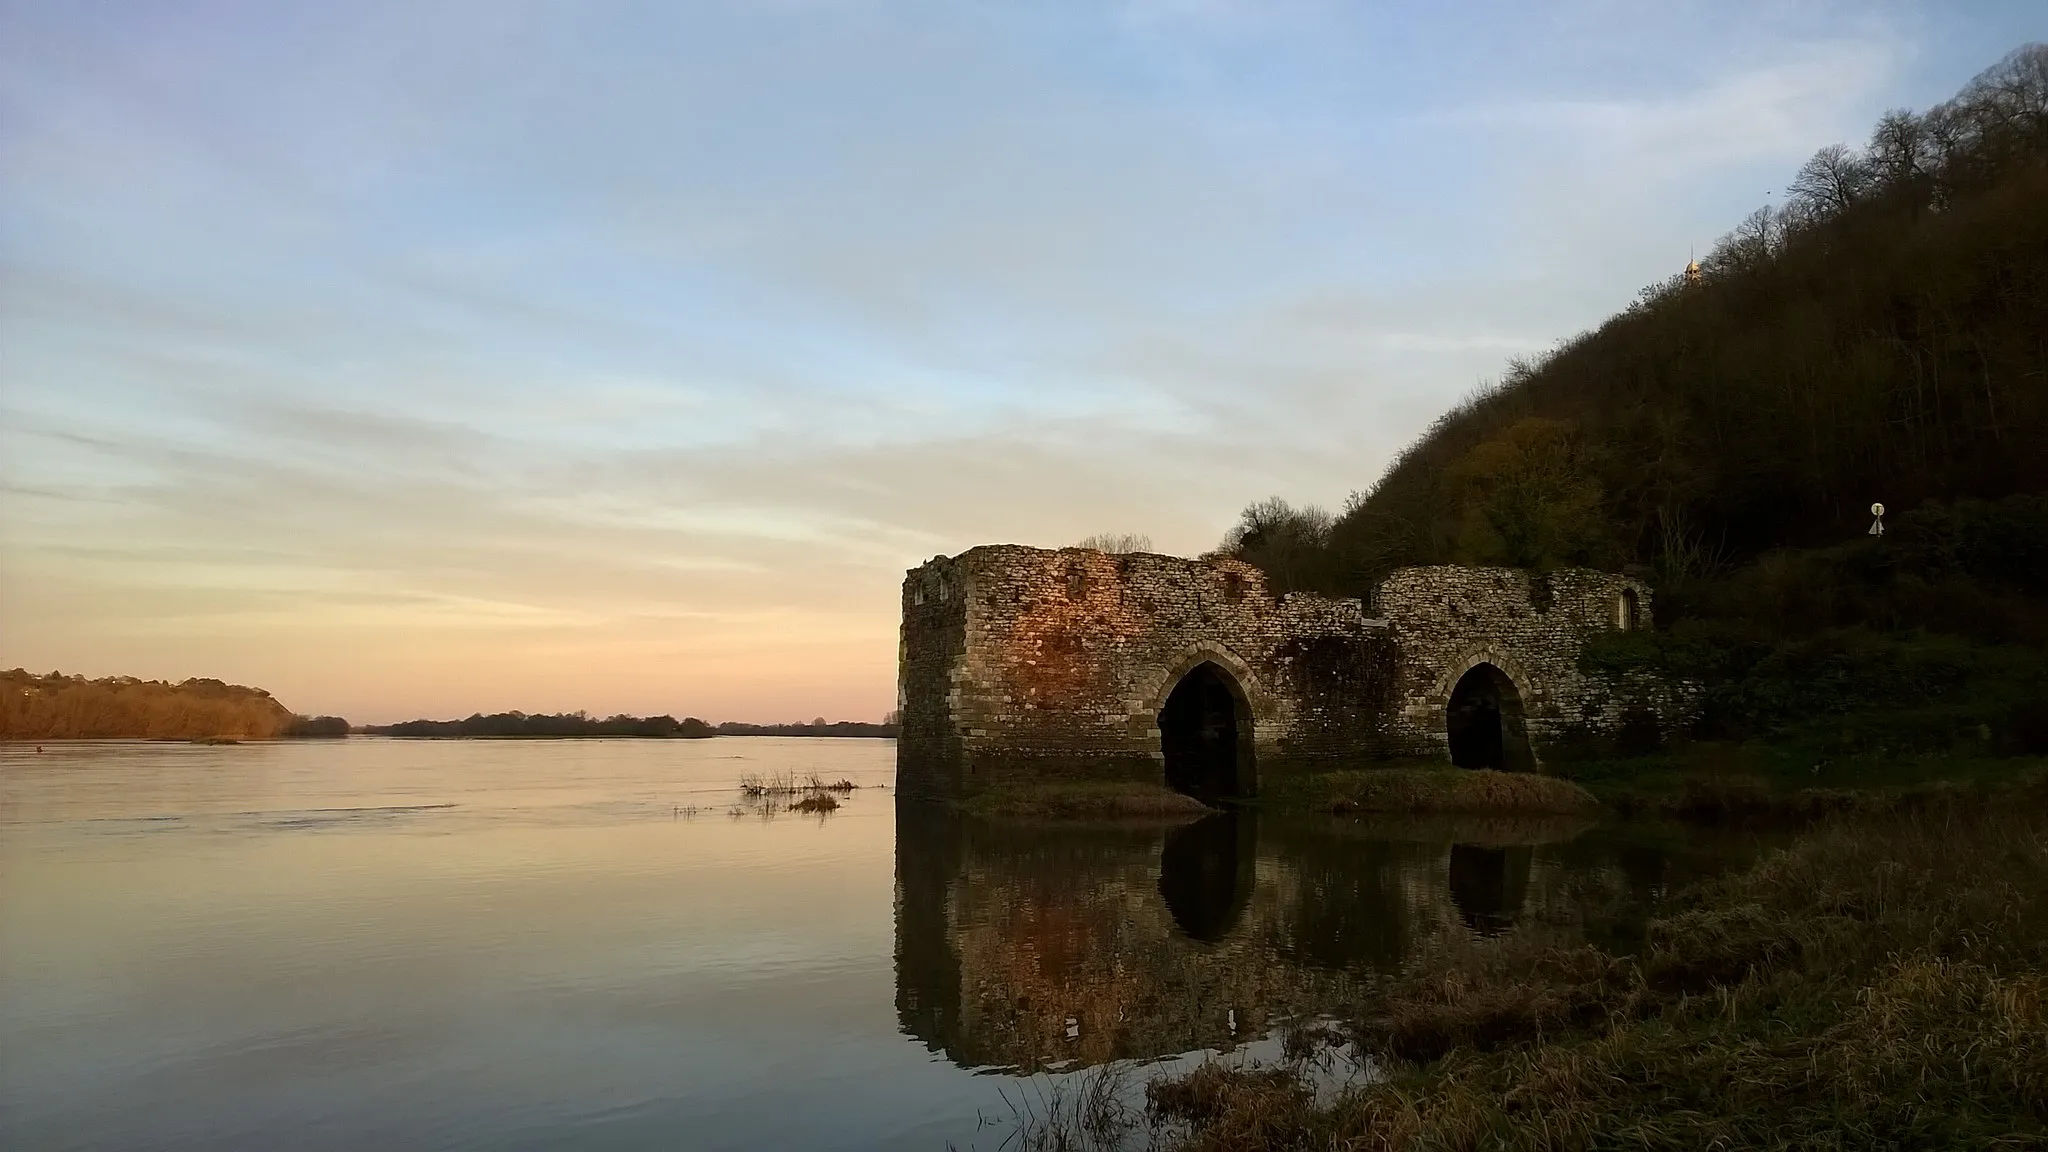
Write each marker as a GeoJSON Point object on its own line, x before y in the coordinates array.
{"type": "Point", "coordinates": [1881, 337]}
{"type": "Point", "coordinates": [316, 727]}
{"type": "Point", "coordinates": [519, 724]}
{"type": "Point", "coordinates": [815, 728]}
{"type": "Point", "coordinates": [60, 707]}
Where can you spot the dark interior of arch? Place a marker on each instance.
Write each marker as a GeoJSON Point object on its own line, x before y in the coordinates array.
{"type": "Point", "coordinates": [1484, 721]}
{"type": "Point", "coordinates": [1205, 873]}
{"type": "Point", "coordinates": [1203, 730]}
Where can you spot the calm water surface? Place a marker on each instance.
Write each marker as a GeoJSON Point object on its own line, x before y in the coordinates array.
{"type": "Point", "coordinates": [580, 944]}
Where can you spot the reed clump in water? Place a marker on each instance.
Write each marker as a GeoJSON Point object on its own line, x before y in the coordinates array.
{"type": "Point", "coordinates": [757, 784]}
{"type": "Point", "coordinates": [766, 794]}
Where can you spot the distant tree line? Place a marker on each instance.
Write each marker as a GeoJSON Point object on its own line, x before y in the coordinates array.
{"type": "Point", "coordinates": [316, 728]}
{"type": "Point", "coordinates": [1881, 336]}
{"type": "Point", "coordinates": [888, 728]}
{"type": "Point", "coordinates": [60, 707]}
{"type": "Point", "coordinates": [568, 724]}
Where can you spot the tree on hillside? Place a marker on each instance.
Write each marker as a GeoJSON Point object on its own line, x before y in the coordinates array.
{"type": "Point", "coordinates": [1528, 499]}
{"type": "Point", "coordinates": [1287, 542]}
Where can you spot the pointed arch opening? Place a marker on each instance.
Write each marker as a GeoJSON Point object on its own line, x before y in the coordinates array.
{"type": "Point", "coordinates": [1485, 724]}
{"type": "Point", "coordinates": [1205, 735]}
{"type": "Point", "coordinates": [1628, 610]}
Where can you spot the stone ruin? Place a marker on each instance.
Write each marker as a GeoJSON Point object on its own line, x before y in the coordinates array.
{"type": "Point", "coordinates": [1021, 663]}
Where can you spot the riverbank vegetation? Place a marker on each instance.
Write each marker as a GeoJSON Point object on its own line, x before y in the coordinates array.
{"type": "Point", "coordinates": [1882, 982]}
{"type": "Point", "coordinates": [60, 707]}
{"type": "Point", "coordinates": [887, 729]}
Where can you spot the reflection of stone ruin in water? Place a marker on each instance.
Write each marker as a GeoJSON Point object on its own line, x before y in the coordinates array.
{"type": "Point", "coordinates": [1025, 947]}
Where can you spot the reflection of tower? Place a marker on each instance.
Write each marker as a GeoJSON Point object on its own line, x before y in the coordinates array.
{"type": "Point", "coordinates": [928, 856]}
{"type": "Point", "coordinates": [1489, 885]}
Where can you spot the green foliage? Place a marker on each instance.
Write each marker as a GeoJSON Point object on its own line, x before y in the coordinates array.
{"type": "Point", "coordinates": [1527, 498]}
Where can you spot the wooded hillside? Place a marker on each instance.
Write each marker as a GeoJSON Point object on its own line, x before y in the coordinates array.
{"type": "Point", "coordinates": [1883, 336]}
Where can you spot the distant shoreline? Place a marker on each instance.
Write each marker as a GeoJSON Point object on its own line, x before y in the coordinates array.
{"type": "Point", "coordinates": [619, 736]}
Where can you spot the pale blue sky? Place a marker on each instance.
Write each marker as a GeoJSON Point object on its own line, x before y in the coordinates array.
{"type": "Point", "coordinates": [420, 358]}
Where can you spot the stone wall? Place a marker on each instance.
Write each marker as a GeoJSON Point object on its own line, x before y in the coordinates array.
{"type": "Point", "coordinates": [1531, 626]}
{"type": "Point", "coordinates": [1023, 661]}
{"type": "Point", "coordinates": [1020, 660]}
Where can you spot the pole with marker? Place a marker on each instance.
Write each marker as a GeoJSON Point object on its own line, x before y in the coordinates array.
{"type": "Point", "coordinates": [1877, 525]}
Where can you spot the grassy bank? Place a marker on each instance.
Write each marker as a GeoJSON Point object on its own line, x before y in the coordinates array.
{"type": "Point", "coordinates": [1065, 800]}
{"type": "Point", "coordinates": [1801, 779]}
{"type": "Point", "coordinates": [1430, 789]}
{"type": "Point", "coordinates": [1883, 982]}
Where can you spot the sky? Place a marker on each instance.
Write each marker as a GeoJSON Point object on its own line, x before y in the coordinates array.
{"type": "Point", "coordinates": [414, 359]}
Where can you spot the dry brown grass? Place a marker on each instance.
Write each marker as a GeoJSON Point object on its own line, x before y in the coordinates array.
{"type": "Point", "coordinates": [1068, 800]}
{"type": "Point", "coordinates": [1450, 790]}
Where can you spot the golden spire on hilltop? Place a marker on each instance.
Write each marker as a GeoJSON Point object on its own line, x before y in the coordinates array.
{"type": "Point", "coordinates": [1692, 269]}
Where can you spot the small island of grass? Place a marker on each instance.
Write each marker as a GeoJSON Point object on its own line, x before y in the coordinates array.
{"type": "Point", "coordinates": [1432, 789]}
{"type": "Point", "coordinates": [1084, 800]}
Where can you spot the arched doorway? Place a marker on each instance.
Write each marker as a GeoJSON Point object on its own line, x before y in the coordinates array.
{"type": "Point", "coordinates": [1205, 735]}
{"type": "Point", "coordinates": [1484, 722]}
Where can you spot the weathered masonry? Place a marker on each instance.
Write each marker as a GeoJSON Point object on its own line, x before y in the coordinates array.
{"type": "Point", "coordinates": [1019, 662]}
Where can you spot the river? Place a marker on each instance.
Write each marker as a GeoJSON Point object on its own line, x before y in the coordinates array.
{"type": "Point", "coordinates": [597, 944]}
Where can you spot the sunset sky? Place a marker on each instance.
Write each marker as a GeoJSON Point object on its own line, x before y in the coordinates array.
{"type": "Point", "coordinates": [417, 359]}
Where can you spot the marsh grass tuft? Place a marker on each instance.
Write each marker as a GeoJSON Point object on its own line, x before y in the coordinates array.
{"type": "Point", "coordinates": [1085, 800]}
{"type": "Point", "coordinates": [1089, 1111]}
{"type": "Point", "coordinates": [766, 795]}
{"type": "Point", "coordinates": [790, 784]}
{"type": "Point", "coordinates": [1440, 789]}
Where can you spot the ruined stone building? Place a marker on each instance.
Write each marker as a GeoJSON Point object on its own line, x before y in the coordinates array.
{"type": "Point", "coordinates": [1018, 662]}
